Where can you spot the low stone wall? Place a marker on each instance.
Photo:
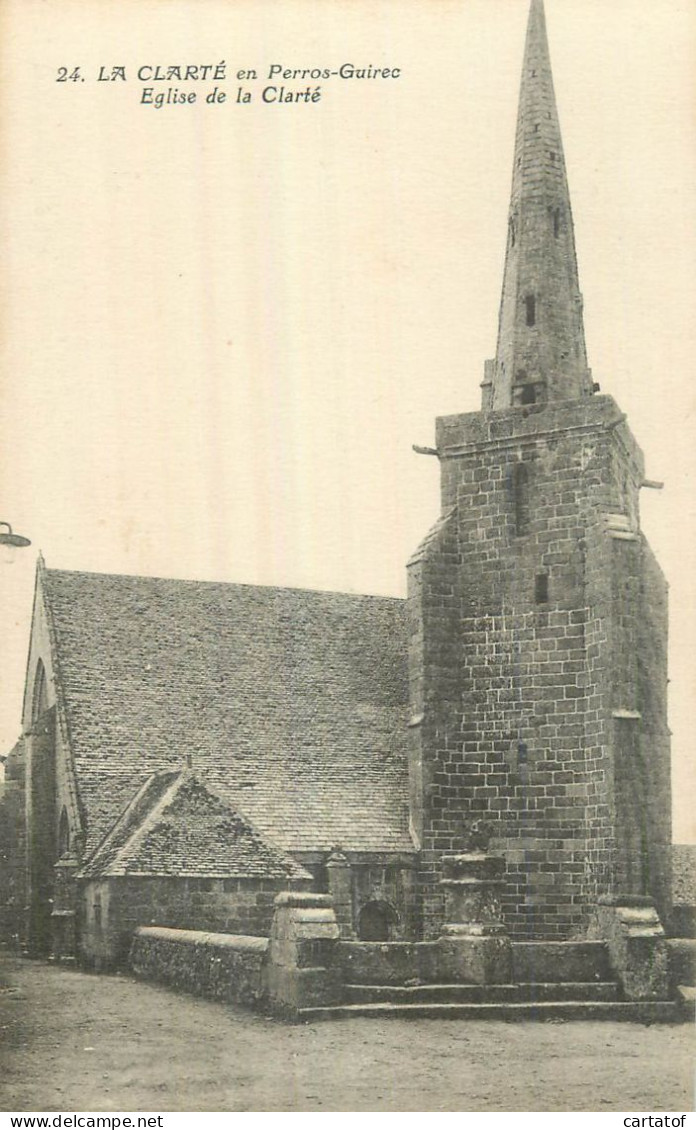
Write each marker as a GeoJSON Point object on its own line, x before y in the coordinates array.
{"type": "Point", "coordinates": [112, 908]}
{"type": "Point", "coordinates": [449, 960]}
{"type": "Point", "coordinates": [226, 967]}
{"type": "Point", "coordinates": [387, 963]}
{"type": "Point", "coordinates": [544, 962]}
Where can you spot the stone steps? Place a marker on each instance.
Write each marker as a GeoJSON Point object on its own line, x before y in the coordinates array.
{"type": "Point", "coordinates": [642, 1012]}
{"type": "Point", "coordinates": [481, 994]}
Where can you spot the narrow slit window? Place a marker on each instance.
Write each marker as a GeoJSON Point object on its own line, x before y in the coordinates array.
{"type": "Point", "coordinates": [530, 309]}
{"type": "Point", "coordinates": [520, 490]}
{"type": "Point", "coordinates": [541, 588]}
{"type": "Point", "coordinates": [552, 155]}
{"type": "Point", "coordinates": [556, 222]}
{"type": "Point", "coordinates": [512, 233]}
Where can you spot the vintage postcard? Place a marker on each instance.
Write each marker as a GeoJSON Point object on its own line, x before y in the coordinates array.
{"type": "Point", "coordinates": [346, 678]}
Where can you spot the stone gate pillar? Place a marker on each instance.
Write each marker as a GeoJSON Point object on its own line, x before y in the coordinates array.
{"type": "Point", "coordinates": [341, 891]}
{"type": "Point", "coordinates": [301, 970]}
{"type": "Point", "coordinates": [631, 927]}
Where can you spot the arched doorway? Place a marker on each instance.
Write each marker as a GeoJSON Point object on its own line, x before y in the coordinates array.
{"type": "Point", "coordinates": [376, 922]}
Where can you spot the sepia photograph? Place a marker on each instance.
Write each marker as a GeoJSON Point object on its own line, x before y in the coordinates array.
{"type": "Point", "coordinates": [349, 583]}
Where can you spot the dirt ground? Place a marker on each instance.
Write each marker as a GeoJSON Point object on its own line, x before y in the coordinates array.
{"type": "Point", "coordinates": [76, 1042]}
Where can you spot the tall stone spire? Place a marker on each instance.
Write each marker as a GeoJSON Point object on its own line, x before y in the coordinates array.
{"type": "Point", "coordinates": [541, 354]}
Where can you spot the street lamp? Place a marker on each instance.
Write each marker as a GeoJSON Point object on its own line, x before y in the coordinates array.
{"type": "Point", "coordinates": [11, 541]}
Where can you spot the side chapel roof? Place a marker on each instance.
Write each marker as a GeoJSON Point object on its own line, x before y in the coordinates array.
{"type": "Point", "coordinates": [175, 825]}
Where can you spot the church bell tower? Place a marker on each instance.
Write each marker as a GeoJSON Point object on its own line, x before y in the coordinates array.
{"type": "Point", "coordinates": [538, 614]}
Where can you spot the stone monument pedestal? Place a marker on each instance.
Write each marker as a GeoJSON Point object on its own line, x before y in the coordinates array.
{"type": "Point", "coordinates": [301, 971]}
{"type": "Point", "coordinates": [474, 946]}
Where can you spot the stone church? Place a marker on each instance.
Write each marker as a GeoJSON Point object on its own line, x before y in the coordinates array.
{"type": "Point", "coordinates": [189, 750]}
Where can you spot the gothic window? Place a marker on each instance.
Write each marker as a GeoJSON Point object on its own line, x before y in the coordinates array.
{"type": "Point", "coordinates": [530, 309]}
{"type": "Point", "coordinates": [520, 491]}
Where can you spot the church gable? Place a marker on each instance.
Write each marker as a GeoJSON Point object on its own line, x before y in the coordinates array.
{"type": "Point", "coordinates": [176, 826]}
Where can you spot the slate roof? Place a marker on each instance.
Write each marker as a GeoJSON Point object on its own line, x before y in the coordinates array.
{"type": "Point", "coordinates": [176, 826]}
{"type": "Point", "coordinates": [292, 704]}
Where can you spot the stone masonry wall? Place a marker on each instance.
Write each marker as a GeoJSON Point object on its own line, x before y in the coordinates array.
{"type": "Point", "coordinates": [51, 788]}
{"type": "Point", "coordinates": [655, 745]}
{"type": "Point", "coordinates": [538, 630]}
{"type": "Point", "coordinates": [42, 821]}
{"type": "Point", "coordinates": [13, 849]}
{"type": "Point", "coordinates": [391, 886]}
{"type": "Point", "coordinates": [435, 646]}
{"type": "Point", "coordinates": [111, 909]}
{"type": "Point", "coordinates": [222, 966]}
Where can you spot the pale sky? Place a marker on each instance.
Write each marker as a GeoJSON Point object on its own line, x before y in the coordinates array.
{"type": "Point", "coordinates": [224, 326]}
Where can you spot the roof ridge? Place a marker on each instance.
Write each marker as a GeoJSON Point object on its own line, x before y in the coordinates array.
{"type": "Point", "coordinates": [223, 584]}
